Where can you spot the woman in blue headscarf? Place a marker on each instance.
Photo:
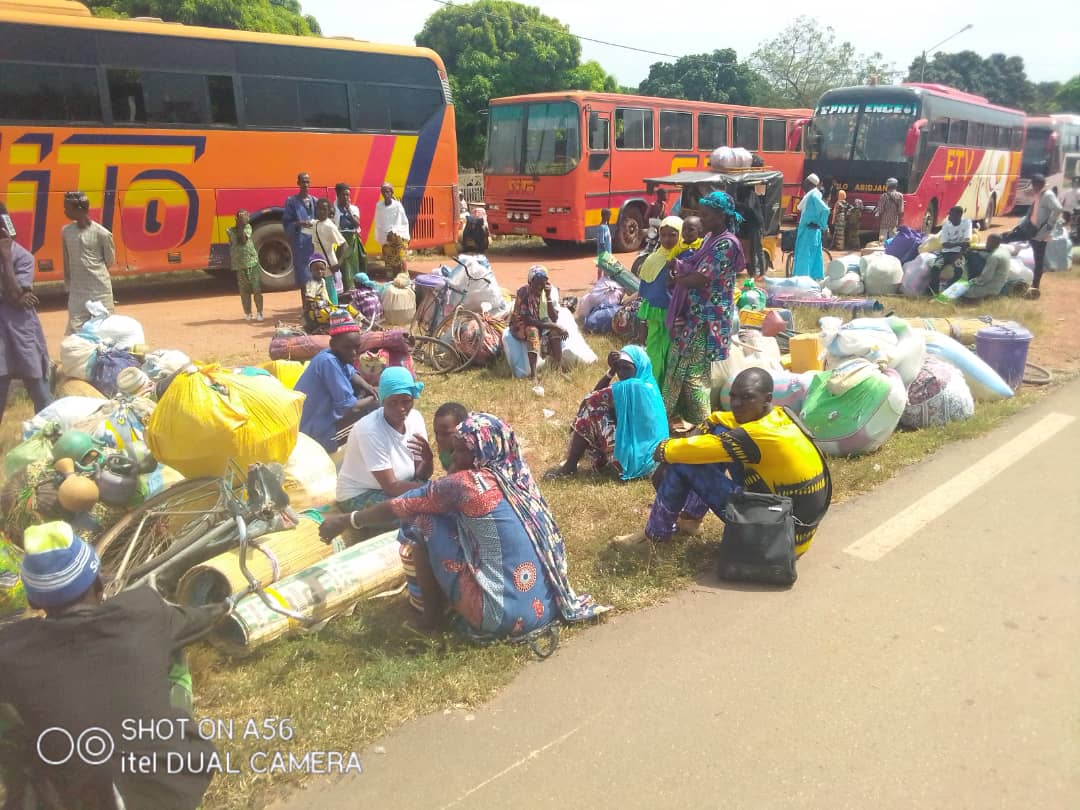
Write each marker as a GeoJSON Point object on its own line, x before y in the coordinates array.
{"type": "Point", "coordinates": [620, 424]}
{"type": "Point", "coordinates": [483, 540]}
{"type": "Point", "coordinates": [387, 452]}
{"type": "Point", "coordinates": [813, 222]}
{"type": "Point", "coordinates": [701, 327]}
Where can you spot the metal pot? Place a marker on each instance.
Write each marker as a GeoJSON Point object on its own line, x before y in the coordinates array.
{"type": "Point", "coordinates": [118, 480]}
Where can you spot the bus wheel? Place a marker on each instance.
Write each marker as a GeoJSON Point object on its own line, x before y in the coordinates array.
{"type": "Point", "coordinates": [629, 232]}
{"type": "Point", "coordinates": [275, 256]}
{"type": "Point", "coordinates": [991, 212]}
{"type": "Point", "coordinates": [930, 218]}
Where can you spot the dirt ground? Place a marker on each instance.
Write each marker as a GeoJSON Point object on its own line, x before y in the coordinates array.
{"type": "Point", "coordinates": [201, 316]}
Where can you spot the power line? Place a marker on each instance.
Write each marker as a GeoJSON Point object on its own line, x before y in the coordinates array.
{"type": "Point", "coordinates": [571, 33]}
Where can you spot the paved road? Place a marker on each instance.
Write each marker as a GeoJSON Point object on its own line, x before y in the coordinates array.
{"type": "Point", "coordinates": [928, 666]}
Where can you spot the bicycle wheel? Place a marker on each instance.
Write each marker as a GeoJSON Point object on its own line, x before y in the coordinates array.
{"type": "Point", "coordinates": [435, 353]}
{"type": "Point", "coordinates": [184, 511]}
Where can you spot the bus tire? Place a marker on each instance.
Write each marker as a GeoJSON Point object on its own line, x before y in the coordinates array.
{"type": "Point", "coordinates": [930, 218]}
{"type": "Point", "coordinates": [275, 255]}
{"type": "Point", "coordinates": [629, 231]}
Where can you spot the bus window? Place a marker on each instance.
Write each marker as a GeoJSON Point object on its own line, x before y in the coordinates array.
{"type": "Point", "coordinates": [745, 132]}
{"type": "Point", "coordinates": [323, 105]}
{"type": "Point", "coordinates": [676, 130]}
{"type": "Point", "coordinates": [270, 102]}
{"type": "Point", "coordinates": [831, 132]}
{"type": "Point", "coordinates": [794, 126]}
{"type": "Point", "coordinates": [48, 93]}
{"type": "Point", "coordinates": [774, 135]}
{"type": "Point", "coordinates": [1017, 138]}
{"type": "Point", "coordinates": [882, 131]}
{"type": "Point", "coordinates": [711, 131]}
{"type": "Point", "coordinates": [633, 128]}
{"type": "Point", "coordinates": [222, 100]}
{"type": "Point", "coordinates": [976, 132]}
{"type": "Point", "coordinates": [599, 133]}
{"type": "Point", "coordinates": [148, 96]}
{"type": "Point", "coordinates": [958, 132]}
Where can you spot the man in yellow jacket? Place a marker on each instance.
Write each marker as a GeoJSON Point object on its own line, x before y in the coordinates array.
{"type": "Point", "coordinates": [756, 447]}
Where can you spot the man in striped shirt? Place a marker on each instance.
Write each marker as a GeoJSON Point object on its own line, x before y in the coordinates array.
{"type": "Point", "coordinates": [88, 255]}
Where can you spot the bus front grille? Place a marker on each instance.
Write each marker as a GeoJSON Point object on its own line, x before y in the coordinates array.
{"type": "Point", "coordinates": [533, 207]}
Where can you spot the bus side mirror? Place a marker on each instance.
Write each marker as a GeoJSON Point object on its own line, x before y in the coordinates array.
{"type": "Point", "coordinates": [911, 142]}
{"type": "Point", "coordinates": [794, 138]}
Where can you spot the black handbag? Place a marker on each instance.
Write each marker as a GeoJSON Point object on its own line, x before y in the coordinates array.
{"type": "Point", "coordinates": [759, 539]}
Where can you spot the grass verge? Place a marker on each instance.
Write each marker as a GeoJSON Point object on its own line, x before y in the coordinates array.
{"type": "Point", "coordinates": [364, 674]}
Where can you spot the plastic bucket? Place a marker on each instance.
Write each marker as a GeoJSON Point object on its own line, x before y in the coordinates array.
{"type": "Point", "coordinates": [1004, 347]}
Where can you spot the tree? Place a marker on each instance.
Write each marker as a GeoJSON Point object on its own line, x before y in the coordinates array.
{"type": "Point", "coordinates": [496, 48]}
{"type": "Point", "coordinates": [999, 78]}
{"type": "Point", "coordinates": [805, 60]}
{"type": "Point", "coordinates": [1068, 97]}
{"type": "Point", "coordinates": [1044, 97]}
{"type": "Point", "coordinates": [271, 16]}
{"type": "Point", "coordinates": [715, 76]}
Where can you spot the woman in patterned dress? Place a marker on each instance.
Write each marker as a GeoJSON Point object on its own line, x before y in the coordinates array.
{"type": "Point", "coordinates": [484, 539]}
{"type": "Point", "coordinates": [701, 330]}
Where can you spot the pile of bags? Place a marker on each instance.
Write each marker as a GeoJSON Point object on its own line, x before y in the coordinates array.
{"type": "Point", "coordinates": [102, 348]}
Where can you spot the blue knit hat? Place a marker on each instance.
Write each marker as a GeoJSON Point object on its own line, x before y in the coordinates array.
{"type": "Point", "coordinates": [58, 566]}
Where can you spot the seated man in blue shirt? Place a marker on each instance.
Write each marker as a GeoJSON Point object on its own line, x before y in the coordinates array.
{"type": "Point", "coordinates": [337, 396]}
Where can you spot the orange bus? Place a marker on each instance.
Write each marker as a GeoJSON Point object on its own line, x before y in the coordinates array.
{"type": "Point", "coordinates": [555, 160]}
{"type": "Point", "coordinates": [169, 129]}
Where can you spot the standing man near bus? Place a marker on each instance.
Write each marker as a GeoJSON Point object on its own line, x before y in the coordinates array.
{"type": "Point", "coordinates": [88, 255]}
{"type": "Point", "coordinates": [347, 219]}
{"type": "Point", "coordinates": [298, 221]}
{"type": "Point", "coordinates": [392, 231]}
{"type": "Point", "coordinates": [813, 220]}
{"type": "Point", "coordinates": [1043, 216]}
{"type": "Point", "coordinates": [890, 208]}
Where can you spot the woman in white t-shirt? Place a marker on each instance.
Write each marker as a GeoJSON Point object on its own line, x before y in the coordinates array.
{"type": "Point", "coordinates": [387, 453]}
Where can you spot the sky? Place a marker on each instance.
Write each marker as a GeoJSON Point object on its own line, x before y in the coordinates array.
{"type": "Point", "coordinates": [1050, 51]}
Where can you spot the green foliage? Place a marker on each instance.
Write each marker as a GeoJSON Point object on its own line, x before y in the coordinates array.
{"type": "Point", "coordinates": [806, 59]}
{"type": "Point", "coordinates": [1044, 97]}
{"type": "Point", "coordinates": [496, 48]}
{"type": "Point", "coordinates": [270, 16]}
{"type": "Point", "coordinates": [716, 77]}
{"type": "Point", "coordinates": [1068, 97]}
{"type": "Point", "coordinates": [1001, 79]}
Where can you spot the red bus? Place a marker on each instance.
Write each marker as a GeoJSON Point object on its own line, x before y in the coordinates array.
{"type": "Point", "coordinates": [1052, 148]}
{"type": "Point", "coordinates": [555, 160]}
{"type": "Point", "coordinates": [944, 146]}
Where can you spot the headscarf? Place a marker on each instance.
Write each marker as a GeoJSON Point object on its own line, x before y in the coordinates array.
{"type": "Point", "coordinates": [641, 421]}
{"type": "Point", "coordinates": [656, 260]}
{"type": "Point", "coordinates": [398, 380]}
{"type": "Point", "coordinates": [537, 271]}
{"type": "Point", "coordinates": [495, 449]}
{"type": "Point", "coordinates": [317, 257]}
{"type": "Point", "coordinates": [721, 201]}
{"type": "Point", "coordinates": [841, 195]}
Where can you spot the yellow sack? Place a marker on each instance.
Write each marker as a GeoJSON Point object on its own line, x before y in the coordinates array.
{"type": "Point", "coordinates": [209, 416]}
{"type": "Point", "coordinates": [287, 371]}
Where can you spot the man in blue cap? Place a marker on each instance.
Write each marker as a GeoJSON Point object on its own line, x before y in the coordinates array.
{"type": "Point", "coordinates": [88, 673]}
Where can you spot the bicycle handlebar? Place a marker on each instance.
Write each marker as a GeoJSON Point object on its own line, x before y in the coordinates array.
{"type": "Point", "coordinates": [253, 584]}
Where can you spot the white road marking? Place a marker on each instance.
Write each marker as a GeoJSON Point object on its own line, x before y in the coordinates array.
{"type": "Point", "coordinates": [877, 543]}
{"type": "Point", "coordinates": [530, 756]}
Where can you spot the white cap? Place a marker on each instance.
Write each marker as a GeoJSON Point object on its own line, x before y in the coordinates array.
{"type": "Point", "coordinates": [813, 179]}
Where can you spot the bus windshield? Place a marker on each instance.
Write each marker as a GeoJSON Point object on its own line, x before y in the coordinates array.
{"type": "Point", "coordinates": [872, 131]}
{"type": "Point", "coordinates": [539, 139]}
{"type": "Point", "coordinates": [1036, 152]}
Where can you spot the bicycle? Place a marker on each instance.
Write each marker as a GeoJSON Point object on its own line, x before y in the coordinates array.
{"type": "Point", "coordinates": [193, 521]}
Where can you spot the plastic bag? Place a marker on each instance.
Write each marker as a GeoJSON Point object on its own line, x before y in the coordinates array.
{"type": "Point", "coordinates": [66, 412]}
{"type": "Point", "coordinates": [110, 362]}
{"type": "Point", "coordinates": [575, 349]}
{"type": "Point", "coordinates": [600, 318]}
{"type": "Point", "coordinates": [121, 332]}
{"type": "Point", "coordinates": [77, 356]}
{"type": "Point", "coordinates": [287, 372]}
{"type": "Point", "coordinates": [938, 395]}
{"type": "Point", "coordinates": [124, 423]}
{"type": "Point", "coordinates": [164, 363]}
{"type": "Point", "coordinates": [399, 302]}
{"type": "Point", "coordinates": [310, 475]}
{"type": "Point", "coordinates": [853, 419]}
{"type": "Point", "coordinates": [604, 292]}
{"type": "Point", "coordinates": [474, 278]}
{"type": "Point", "coordinates": [517, 355]}
{"type": "Point", "coordinates": [12, 593]}
{"type": "Point", "coordinates": [916, 281]}
{"type": "Point", "coordinates": [209, 416]}
{"type": "Point", "coordinates": [37, 448]}
{"type": "Point", "coordinates": [1019, 273]}
{"type": "Point", "coordinates": [1059, 252]}
{"type": "Point", "coordinates": [955, 291]}
{"type": "Point", "coordinates": [882, 274]}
